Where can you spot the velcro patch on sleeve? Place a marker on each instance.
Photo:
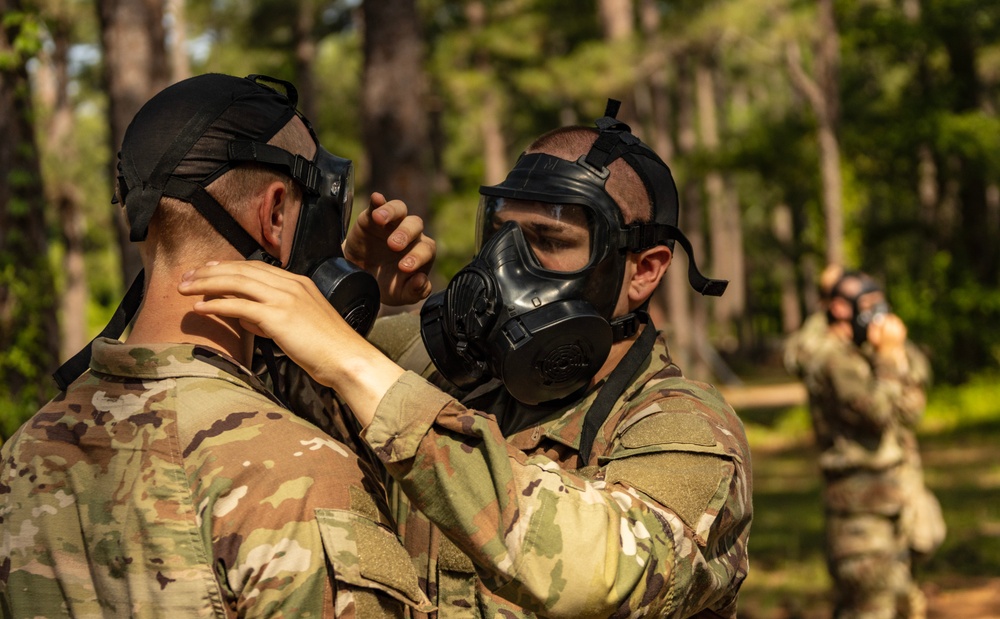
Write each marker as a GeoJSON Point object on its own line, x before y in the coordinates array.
{"type": "Point", "coordinates": [684, 482]}
{"type": "Point", "coordinates": [669, 428]}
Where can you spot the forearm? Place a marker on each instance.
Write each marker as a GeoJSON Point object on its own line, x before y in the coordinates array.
{"type": "Point", "coordinates": [542, 537]}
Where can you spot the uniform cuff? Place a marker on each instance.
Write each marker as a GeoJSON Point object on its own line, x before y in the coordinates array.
{"type": "Point", "coordinates": [403, 417]}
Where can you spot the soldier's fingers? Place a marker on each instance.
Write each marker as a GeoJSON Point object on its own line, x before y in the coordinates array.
{"type": "Point", "coordinates": [419, 256]}
{"type": "Point", "coordinates": [408, 230]}
{"type": "Point", "coordinates": [389, 213]}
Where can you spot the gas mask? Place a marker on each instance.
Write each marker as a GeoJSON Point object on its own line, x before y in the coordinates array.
{"type": "Point", "coordinates": [535, 306]}
{"type": "Point", "coordinates": [325, 215]}
{"type": "Point", "coordinates": [862, 319]}
{"type": "Point", "coordinates": [872, 315]}
{"type": "Point", "coordinates": [190, 134]}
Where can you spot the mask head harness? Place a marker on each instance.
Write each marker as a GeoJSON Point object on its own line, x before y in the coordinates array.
{"type": "Point", "coordinates": [861, 319]}
{"type": "Point", "coordinates": [523, 314]}
{"type": "Point", "coordinates": [194, 131]}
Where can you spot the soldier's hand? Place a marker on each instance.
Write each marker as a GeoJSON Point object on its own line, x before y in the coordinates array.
{"type": "Point", "coordinates": [288, 308]}
{"type": "Point", "coordinates": [887, 334]}
{"type": "Point", "coordinates": [390, 244]}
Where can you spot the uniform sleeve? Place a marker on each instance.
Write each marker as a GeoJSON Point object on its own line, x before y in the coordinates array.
{"type": "Point", "coordinates": [878, 394]}
{"type": "Point", "coordinates": [560, 544]}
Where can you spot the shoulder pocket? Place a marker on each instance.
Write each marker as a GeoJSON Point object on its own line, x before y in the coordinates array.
{"type": "Point", "coordinates": [370, 562]}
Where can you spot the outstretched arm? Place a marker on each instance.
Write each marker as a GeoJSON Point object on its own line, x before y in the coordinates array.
{"type": "Point", "coordinates": [545, 538]}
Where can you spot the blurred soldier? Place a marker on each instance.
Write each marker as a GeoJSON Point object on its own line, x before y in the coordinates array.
{"type": "Point", "coordinates": [166, 481]}
{"type": "Point", "coordinates": [866, 385]}
{"type": "Point", "coordinates": [800, 345]}
{"type": "Point", "coordinates": [580, 474]}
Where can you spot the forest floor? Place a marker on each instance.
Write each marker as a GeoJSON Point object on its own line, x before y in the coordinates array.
{"type": "Point", "coordinates": [788, 578]}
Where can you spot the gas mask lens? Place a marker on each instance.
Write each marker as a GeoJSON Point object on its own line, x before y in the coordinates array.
{"type": "Point", "coordinates": [561, 237]}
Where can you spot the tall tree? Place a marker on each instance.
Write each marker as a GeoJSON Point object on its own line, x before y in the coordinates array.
{"type": "Point", "coordinates": [394, 110]}
{"type": "Point", "coordinates": [822, 91]}
{"type": "Point", "coordinates": [61, 190]}
{"type": "Point", "coordinates": [29, 344]}
{"type": "Point", "coordinates": [136, 66]}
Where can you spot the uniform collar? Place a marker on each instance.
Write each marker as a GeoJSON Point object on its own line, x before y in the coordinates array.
{"type": "Point", "coordinates": [167, 360]}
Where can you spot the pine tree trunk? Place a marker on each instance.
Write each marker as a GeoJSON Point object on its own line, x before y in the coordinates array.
{"type": "Point", "coordinates": [494, 144]}
{"type": "Point", "coordinates": [29, 333]}
{"type": "Point", "coordinates": [136, 66]}
{"type": "Point", "coordinates": [394, 116]}
{"type": "Point", "coordinates": [822, 91]}
{"type": "Point", "coordinates": [60, 145]}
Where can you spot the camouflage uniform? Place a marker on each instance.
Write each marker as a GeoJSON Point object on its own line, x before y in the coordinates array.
{"type": "Point", "coordinates": [864, 410]}
{"type": "Point", "coordinates": [655, 523]}
{"type": "Point", "coordinates": [801, 345]}
{"type": "Point", "coordinates": [168, 482]}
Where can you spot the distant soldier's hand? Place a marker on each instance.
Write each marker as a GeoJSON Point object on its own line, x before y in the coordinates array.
{"type": "Point", "coordinates": [390, 244]}
{"type": "Point", "coordinates": [887, 334]}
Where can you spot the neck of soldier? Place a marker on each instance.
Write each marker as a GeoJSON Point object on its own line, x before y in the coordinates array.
{"type": "Point", "coordinates": [618, 352]}
{"type": "Point", "coordinates": [166, 316]}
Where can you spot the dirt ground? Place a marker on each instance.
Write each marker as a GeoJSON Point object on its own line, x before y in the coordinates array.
{"type": "Point", "coordinates": [979, 600]}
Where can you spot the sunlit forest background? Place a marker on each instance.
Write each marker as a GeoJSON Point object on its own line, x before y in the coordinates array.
{"type": "Point", "coordinates": [800, 132]}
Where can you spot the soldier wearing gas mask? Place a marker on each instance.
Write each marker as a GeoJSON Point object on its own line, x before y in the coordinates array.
{"type": "Point", "coordinates": [866, 386]}
{"type": "Point", "coordinates": [546, 456]}
{"type": "Point", "coordinates": [167, 480]}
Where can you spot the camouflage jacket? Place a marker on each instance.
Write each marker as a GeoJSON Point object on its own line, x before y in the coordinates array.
{"type": "Point", "coordinates": [801, 345]}
{"type": "Point", "coordinates": [656, 523]}
{"type": "Point", "coordinates": [864, 411]}
{"type": "Point", "coordinates": [168, 482]}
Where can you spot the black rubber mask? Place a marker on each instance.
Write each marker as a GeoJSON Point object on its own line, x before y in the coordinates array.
{"type": "Point", "coordinates": [524, 313]}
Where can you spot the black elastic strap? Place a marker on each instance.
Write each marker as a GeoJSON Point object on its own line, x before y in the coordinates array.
{"type": "Point", "coordinates": [80, 362]}
{"type": "Point", "coordinates": [642, 236]}
{"type": "Point", "coordinates": [219, 217]}
{"type": "Point", "coordinates": [613, 388]}
{"type": "Point", "coordinates": [142, 211]}
{"type": "Point", "coordinates": [297, 166]}
{"type": "Point", "coordinates": [266, 348]}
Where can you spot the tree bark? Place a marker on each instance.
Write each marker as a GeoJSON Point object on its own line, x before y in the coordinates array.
{"type": "Point", "coordinates": [29, 332]}
{"type": "Point", "coordinates": [136, 66]}
{"type": "Point", "coordinates": [60, 146]}
{"type": "Point", "coordinates": [823, 94]}
{"type": "Point", "coordinates": [723, 209]}
{"type": "Point", "coordinates": [305, 57]}
{"type": "Point", "coordinates": [689, 315]}
{"type": "Point", "coordinates": [394, 116]}
{"type": "Point", "coordinates": [783, 228]}
{"type": "Point", "coordinates": [494, 144]}
{"type": "Point", "coordinates": [180, 63]}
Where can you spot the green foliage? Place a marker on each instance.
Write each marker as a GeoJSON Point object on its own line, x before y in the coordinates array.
{"type": "Point", "coordinates": [27, 30]}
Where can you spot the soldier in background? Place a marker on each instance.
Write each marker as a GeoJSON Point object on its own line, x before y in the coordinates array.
{"type": "Point", "coordinates": [578, 473]}
{"type": "Point", "coordinates": [801, 344]}
{"type": "Point", "coordinates": [166, 481]}
{"type": "Point", "coordinates": [866, 385]}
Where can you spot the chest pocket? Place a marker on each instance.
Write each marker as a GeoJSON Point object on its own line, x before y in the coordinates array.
{"type": "Point", "coordinates": [674, 459]}
{"type": "Point", "coordinates": [373, 574]}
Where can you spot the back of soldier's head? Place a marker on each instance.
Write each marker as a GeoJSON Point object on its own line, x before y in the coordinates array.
{"type": "Point", "coordinates": [183, 134]}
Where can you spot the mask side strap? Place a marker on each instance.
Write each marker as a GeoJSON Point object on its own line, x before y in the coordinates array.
{"type": "Point", "coordinates": [615, 385]}
{"type": "Point", "coordinates": [120, 320]}
{"type": "Point", "coordinates": [219, 218]}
